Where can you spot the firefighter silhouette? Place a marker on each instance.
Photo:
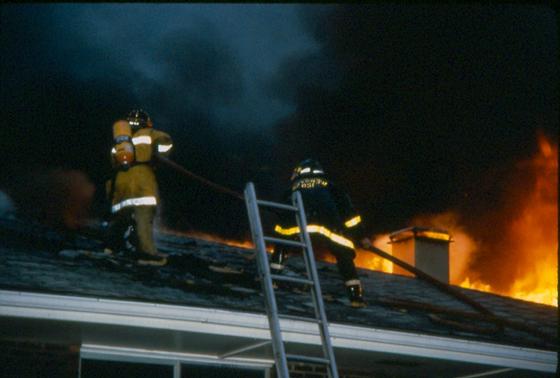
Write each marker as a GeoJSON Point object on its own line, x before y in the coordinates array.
{"type": "Point", "coordinates": [133, 191]}
{"type": "Point", "coordinates": [332, 224]}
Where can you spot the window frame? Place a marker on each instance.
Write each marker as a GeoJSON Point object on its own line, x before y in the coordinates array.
{"type": "Point", "coordinates": [156, 357]}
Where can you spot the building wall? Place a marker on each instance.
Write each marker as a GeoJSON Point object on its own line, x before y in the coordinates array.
{"type": "Point", "coordinates": [299, 370]}
{"type": "Point", "coordinates": [37, 360]}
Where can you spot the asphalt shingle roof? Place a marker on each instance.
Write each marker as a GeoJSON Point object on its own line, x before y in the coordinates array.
{"type": "Point", "coordinates": [207, 274]}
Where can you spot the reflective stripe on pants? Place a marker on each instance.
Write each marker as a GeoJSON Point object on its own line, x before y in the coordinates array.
{"type": "Point", "coordinates": [138, 201]}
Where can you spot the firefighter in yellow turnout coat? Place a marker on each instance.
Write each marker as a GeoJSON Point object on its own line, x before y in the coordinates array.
{"type": "Point", "coordinates": [133, 192]}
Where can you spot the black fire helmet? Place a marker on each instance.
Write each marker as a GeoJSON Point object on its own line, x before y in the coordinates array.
{"type": "Point", "coordinates": [307, 168]}
{"type": "Point", "coordinates": [139, 119]}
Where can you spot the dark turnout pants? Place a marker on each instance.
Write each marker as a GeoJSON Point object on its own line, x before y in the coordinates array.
{"type": "Point", "coordinates": [321, 244]}
{"type": "Point", "coordinates": [141, 218]}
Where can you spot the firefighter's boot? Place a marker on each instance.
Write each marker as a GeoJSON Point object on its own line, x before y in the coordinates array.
{"type": "Point", "coordinates": [277, 264]}
{"type": "Point", "coordinates": [157, 259]}
{"type": "Point", "coordinates": [277, 261]}
{"type": "Point", "coordinates": [355, 294]}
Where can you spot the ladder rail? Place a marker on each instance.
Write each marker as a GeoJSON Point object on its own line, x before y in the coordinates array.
{"type": "Point", "coordinates": [266, 277]}
{"type": "Point", "coordinates": [264, 273]}
{"type": "Point", "coordinates": [315, 289]}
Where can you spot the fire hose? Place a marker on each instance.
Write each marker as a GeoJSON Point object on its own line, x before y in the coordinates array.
{"type": "Point", "coordinates": [487, 315]}
{"type": "Point", "coordinates": [428, 278]}
{"type": "Point", "coordinates": [185, 172]}
{"type": "Point", "coordinates": [366, 244]}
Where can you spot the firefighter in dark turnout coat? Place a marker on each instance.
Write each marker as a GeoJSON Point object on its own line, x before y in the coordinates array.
{"type": "Point", "coordinates": [331, 221]}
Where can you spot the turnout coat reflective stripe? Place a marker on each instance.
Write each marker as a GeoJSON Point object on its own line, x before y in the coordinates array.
{"type": "Point", "coordinates": [329, 212]}
{"type": "Point", "coordinates": [137, 186]}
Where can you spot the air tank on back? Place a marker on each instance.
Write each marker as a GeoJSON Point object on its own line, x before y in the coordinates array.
{"type": "Point", "coordinates": [123, 148]}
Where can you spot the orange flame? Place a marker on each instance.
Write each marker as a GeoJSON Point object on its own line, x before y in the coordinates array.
{"type": "Point", "coordinates": [530, 239]}
{"type": "Point", "coordinates": [367, 260]}
{"type": "Point", "coordinates": [212, 238]}
{"type": "Point", "coordinates": [218, 239]}
{"type": "Point", "coordinates": [364, 259]}
{"type": "Point", "coordinates": [534, 232]}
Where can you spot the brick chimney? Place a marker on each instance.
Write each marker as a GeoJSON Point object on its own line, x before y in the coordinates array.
{"type": "Point", "coordinates": [424, 248]}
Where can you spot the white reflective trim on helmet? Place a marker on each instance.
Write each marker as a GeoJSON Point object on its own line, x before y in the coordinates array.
{"type": "Point", "coordinates": [353, 282]}
{"type": "Point", "coordinates": [317, 171]}
{"type": "Point", "coordinates": [305, 170]}
{"type": "Point", "coordinates": [164, 147]}
{"type": "Point", "coordinates": [113, 150]}
{"type": "Point", "coordinates": [138, 201]}
{"type": "Point", "coordinates": [316, 229]}
{"type": "Point", "coordinates": [352, 222]}
{"type": "Point", "coordinates": [144, 139]}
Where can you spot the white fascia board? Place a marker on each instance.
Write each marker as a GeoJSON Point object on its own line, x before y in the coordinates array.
{"type": "Point", "coordinates": [255, 326]}
{"type": "Point", "coordinates": [134, 314]}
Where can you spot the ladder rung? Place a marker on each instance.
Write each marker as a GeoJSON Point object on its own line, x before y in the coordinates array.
{"type": "Point", "coordinates": [284, 241]}
{"type": "Point", "coordinates": [277, 205]}
{"type": "Point", "coordinates": [312, 360]}
{"type": "Point", "coordinates": [302, 281]}
{"type": "Point", "coordinates": [300, 318]}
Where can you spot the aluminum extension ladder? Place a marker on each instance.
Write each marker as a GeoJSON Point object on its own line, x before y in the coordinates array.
{"type": "Point", "coordinates": [312, 280]}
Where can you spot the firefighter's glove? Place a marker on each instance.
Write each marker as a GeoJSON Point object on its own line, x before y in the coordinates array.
{"type": "Point", "coordinates": [366, 243]}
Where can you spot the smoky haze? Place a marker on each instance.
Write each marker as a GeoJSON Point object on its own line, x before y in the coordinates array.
{"type": "Point", "coordinates": [201, 71]}
{"type": "Point", "coordinates": [429, 99]}
{"type": "Point", "coordinates": [408, 107]}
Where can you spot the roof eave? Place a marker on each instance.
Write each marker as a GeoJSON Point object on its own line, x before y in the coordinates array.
{"type": "Point", "coordinates": [255, 327]}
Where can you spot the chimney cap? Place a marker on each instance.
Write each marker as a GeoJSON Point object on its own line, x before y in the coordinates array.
{"type": "Point", "coordinates": [429, 233]}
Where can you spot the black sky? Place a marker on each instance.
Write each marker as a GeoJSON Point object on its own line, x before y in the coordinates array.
{"type": "Point", "coordinates": [409, 107]}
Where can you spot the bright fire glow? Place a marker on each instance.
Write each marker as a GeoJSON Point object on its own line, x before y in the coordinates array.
{"type": "Point", "coordinates": [527, 268]}
{"type": "Point", "coordinates": [367, 260]}
{"type": "Point", "coordinates": [529, 239]}
{"type": "Point", "coordinates": [534, 232]}
{"type": "Point", "coordinates": [212, 238]}
{"type": "Point", "coordinates": [476, 285]}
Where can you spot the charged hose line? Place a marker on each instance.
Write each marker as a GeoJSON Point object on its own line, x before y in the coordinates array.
{"type": "Point", "coordinates": [192, 175]}
{"type": "Point", "coordinates": [442, 286]}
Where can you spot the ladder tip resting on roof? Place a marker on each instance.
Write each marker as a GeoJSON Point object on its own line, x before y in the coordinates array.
{"type": "Point", "coordinates": [312, 281]}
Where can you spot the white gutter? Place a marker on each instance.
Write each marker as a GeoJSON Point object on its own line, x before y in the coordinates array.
{"type": "Point", "coordinates": [255, 326]}
{"type": "Point", "coordinates": [111, 353]}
